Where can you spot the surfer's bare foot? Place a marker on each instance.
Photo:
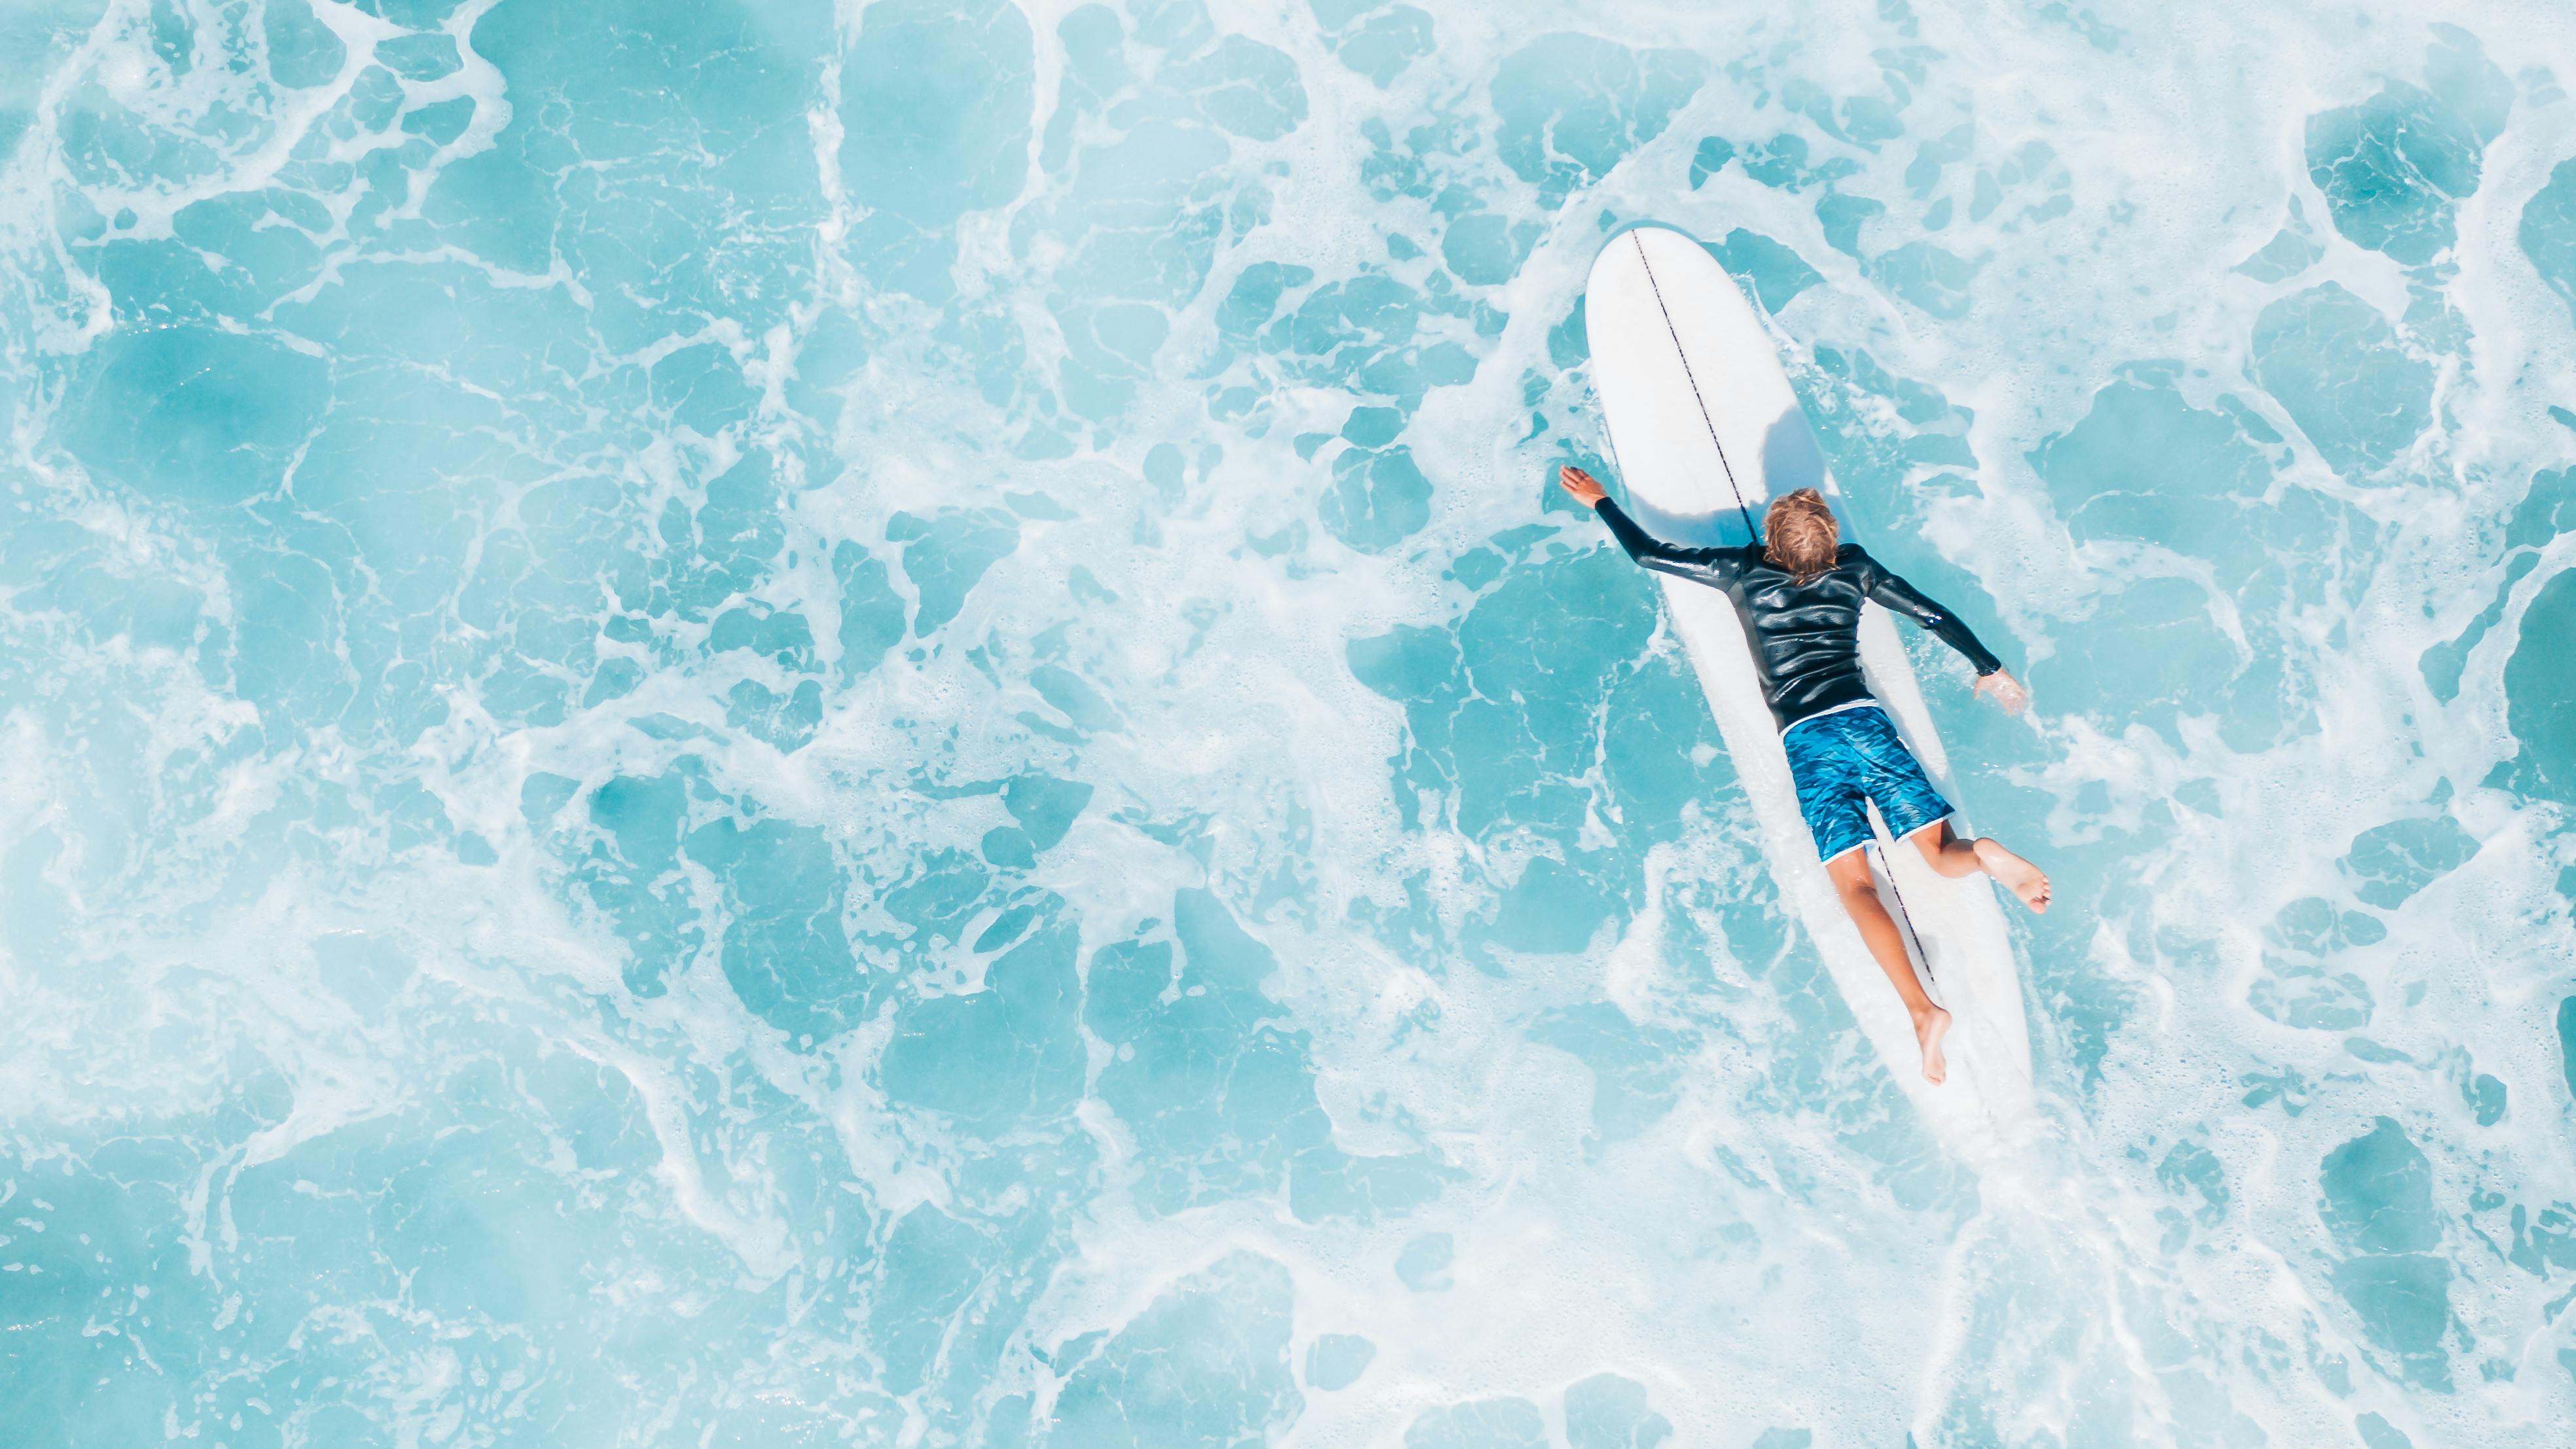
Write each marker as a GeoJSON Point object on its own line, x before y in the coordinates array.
{"type": "Point", "coordinates": [1930, 1026]}
{"type": "Point", "coordinates": [2023, 879]}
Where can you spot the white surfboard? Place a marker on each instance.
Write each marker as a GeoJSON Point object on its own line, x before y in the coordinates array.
{"type": "Point", "coordinates": [1704, 431]}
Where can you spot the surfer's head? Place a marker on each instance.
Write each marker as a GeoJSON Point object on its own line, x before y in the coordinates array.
{"type": "Point", "coordinates": [1799, 535]}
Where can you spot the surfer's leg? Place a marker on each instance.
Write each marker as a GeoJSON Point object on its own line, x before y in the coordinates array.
{"type": "Point", "coordinates": [1849, 872]}
{"type": "Point", "coordinates": [1954, 857]}
{"type": "Point", "coordinates": [1905, 796]}
{"type": "Point", "coordinates": [1948, 854]}
{"type": "Point", "coordinates": [1831, 776]}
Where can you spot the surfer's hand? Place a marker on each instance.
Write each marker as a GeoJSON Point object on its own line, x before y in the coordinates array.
{"type": "Point", "coordinates": [2005, 690]}
{"type": "Point", "coordinates": [1586, 489]}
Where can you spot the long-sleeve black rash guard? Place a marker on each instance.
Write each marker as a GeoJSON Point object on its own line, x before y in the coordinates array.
{"type": "Point", "coordinates": [1805, 637]}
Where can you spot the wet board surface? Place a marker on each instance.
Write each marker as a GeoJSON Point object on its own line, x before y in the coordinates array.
{"type": "Point", "coordinates": [1704, 430]}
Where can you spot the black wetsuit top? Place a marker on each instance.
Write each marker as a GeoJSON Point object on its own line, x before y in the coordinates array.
{"type": "Point", "coordinates": [1806, 637]}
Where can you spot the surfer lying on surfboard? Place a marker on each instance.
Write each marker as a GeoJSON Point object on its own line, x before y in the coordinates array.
{"type": "Point", "coordinates": [1799, 592]}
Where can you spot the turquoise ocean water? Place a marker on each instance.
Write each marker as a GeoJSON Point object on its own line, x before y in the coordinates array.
{"type": "Point", "coordinates": [764, 724]}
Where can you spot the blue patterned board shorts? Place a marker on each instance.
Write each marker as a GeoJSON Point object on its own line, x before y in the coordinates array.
{"type": "Point", "coordinates": [1842, 760]}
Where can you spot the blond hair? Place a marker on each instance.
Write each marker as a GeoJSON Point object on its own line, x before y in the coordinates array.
{"type": "Point", "coordinates": [1799, 535]}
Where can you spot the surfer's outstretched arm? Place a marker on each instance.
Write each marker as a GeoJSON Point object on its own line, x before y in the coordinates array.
{"type": "Point", "coordinates": [1707, 565]}
{"type": "Point", "coordinates": [1898, 596]}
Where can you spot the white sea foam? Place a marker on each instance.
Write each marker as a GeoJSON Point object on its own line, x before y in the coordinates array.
{"type": "Point", "coordinates": [465, 1121]}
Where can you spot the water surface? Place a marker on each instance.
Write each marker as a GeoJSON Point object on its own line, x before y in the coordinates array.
{"type": "Point", "coordinates": [768, 724]}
